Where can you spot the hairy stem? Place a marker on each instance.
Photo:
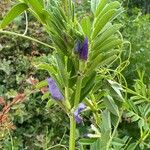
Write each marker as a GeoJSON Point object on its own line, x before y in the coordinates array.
{"type": "Point", "coordinates": [72, 133]}
{"type": "Point", "coordinates": [78, 91]}
{"type": "Point", "coordinates": [26, 37]}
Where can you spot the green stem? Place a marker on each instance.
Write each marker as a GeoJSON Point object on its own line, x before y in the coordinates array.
{"type": "Point", "coordinates": [12, 143]}
{"type": "Point", "coordinates": [72, 133]}
{"type": "Point", "coordinates": [26, 37]}
{"type": "Point", "coordinates": [67, 98]}
{"type": "Point", "coordinates": [72, 119]}
{"type": "Point", "coordinates": [78, 90]}
{"type": "Point", "coordinates": [114, 131]}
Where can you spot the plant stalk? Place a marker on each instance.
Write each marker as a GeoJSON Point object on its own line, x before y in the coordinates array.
{"type": "Point", "coordinates": [72, 136]}
{"type": "Point", "coordinates": [78, 91]}
{"type": "Point", "coordinates": [26, 37]}
{"type": "Point", "coordinates": [72, 119]}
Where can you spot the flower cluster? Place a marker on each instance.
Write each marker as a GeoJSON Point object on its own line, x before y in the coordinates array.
{"type": "Point", "coordinates": [77, 112]}
{"type": "Point", "coordinates": [82, 49]}
{"type": "Point", "coordinates": [54, 90]}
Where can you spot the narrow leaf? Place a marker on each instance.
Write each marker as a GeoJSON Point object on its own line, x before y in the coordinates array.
{"type": "Point", "coordinates": [94, 4]}
{"type": "Point", "coordinates": [13, 13]}
{"type": "Point", "coordinates": [99, 24]}
{"type": "Point", "coordinates": [110, 104]}
{"type": "Point", "coordinates": [100, 7]}
{"type": "Point", "coordinates": [86, 26]}
{"type": "Point", "coordinates": [41, 84]}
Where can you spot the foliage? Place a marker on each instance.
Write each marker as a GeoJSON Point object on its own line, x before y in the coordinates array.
{"type": "Point", "coordinates": [137, 32]}
{"type": "Point", "coordinates": [140, 4]}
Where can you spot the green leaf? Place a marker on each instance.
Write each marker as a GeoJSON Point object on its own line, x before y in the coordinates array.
{"type": "Point", "coordinates": [13, 13]}
{"type": "Point", "coordinates": [41, 84]}
{"type": "Point", "coordinates": [94, 4]}
{"type": "Point", "coordinates": [96, 145]}
{"type": "Point", "coordinates": [117, 88]}
{"type": "Point", "coordinates": [60, 43]}
{"type": "Point", "coordinates": [36, 5]}
{"type": "Point", "coordinates": [86, 26]}
{"type": "Point", "coordinates": [106, 122]}
{"type": "Point", "coordinates": [85, 141]}
{"type": "Point", "coordinates": [111, 106]}
{"type": "Point", "coordinates": [38, 10]}
{"type": "Point", "coordinates": [99, 24]}
{"type": "Point", "coordinates": [100, 7]}
{"type": "Point", "coordinates": [88, 86]}
{"type": "Point", "coordinates": [132, 146]}
{"type": "Point", "coordinates": [45, 96]}
{"type": "Point", "coordinates": [49, 103]}
{"type": "Point", "coordinates": [62, 69]}
{"type": "Point", "coordinates": [107, 46]}
{"type": "Point", "coordinates": [108, 7]}
{"type": "Point", "coordinates": [46, 67]}
{"type": "Point", "coordinates": [118, 142]}
{"type": "Point", "coordinates": [105, 35]}
{"type": "Point", "coordinates": [101, 60]}
{"type": "Point", "coordinates": [129, 114]}
{"type": "Point", "coordinates": [135, 118]}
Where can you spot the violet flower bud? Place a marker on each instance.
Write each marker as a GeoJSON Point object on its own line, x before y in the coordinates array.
{"type": "Point", "coordinates": [82, 49]}
{"type": "Point", "coordinates": [54, 90]}
{"type": "Point", "coordinates": [77, 112]}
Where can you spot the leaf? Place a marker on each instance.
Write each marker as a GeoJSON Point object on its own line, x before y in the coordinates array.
{"type": "Point", "coordinates": [100, 61]}
{"type": "Point", "coordinates": [111, 106]}
{"type": "Point", "coordinates": [117, 88]}
{"type": "Point", "coordinates": [112, 44]}
{"type": "Point", "coordinates": [45, 96]}
{"type": "Point", "coordinates": [118, 142]}
{"type": "Point", "coordinates": [135, 118]}
{"type": "Point", "coordinates": [60, 43]}
{"type": "Point", "coordinates": [47, 67]}
{"type": "Point", "coordinates": [85, 141]}
{"type": "Point", "coordinates": [62, 69]}
{"type": "Point", "coordinates": [129, 114]}
{"type": "Point", "coordinates": [86, 26]}
{"type": "Point", "coordinates": [36, 5]}
{"type": "Point", "coordinates": [94, 4]}
{"type": "Point", "coordinates": [132, 146]}
{"type": "Point", "coordinates": [99, 24]}
{"type": "Point", "coordinates": [108, 7]}
{"type": "Point", "coordinates": [100, 7]}
{"type": "Point", "coordinates": [88, 86]}
{"type": "Point", "coordinates": [13, 13]}
{"type": "Point", "coordinates": [105, 35]}
{"type": "Point", "coordinates": [41, 84]}
{"type": "Point", "coordinates": [106, 122]}
{"type": "Point", "coordinates": [96, 145]}
{"type": "Point", "coordinates": [49, 103]}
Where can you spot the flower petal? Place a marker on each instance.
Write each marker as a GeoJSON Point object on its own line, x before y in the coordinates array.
{"type": "Point", "coordinates": [54, 90]}
{"type": "Point", "coordinates": [84, 50]}
{"type": "Point", "coordinates": [77, 112]}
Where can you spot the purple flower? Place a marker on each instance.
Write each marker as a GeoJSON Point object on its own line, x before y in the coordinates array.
{"type": "Point", "coordinates": [54, 90]}
{"type": "Point", "coordinates": [77, 112]}
{"type": "Point", "coordinates": [82, 49]}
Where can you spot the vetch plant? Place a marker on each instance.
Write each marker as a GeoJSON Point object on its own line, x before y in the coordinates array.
{"type": "Point", "coordinates": [83, 52]}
